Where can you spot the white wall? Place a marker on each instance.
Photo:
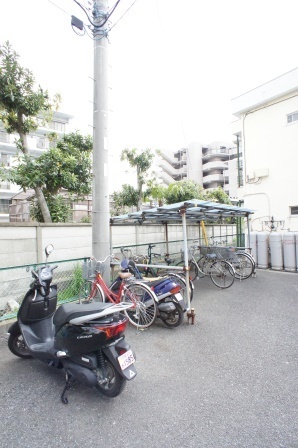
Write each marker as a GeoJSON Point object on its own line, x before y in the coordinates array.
{"type": "Point", "coordinates": [271, 163]}
{"type": "Point", "coordinates": [24, 243]}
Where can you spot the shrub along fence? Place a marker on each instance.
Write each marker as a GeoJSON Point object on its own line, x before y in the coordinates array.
{"type": "Point", "coordinates": [15, 282]}
{"type": "Point", "coordinates": [21, 243]}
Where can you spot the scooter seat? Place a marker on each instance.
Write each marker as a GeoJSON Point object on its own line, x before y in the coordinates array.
{"type": "Point", "coordinates": [151, 282]}
{"type": "Point", "coordinates": [69, 311]}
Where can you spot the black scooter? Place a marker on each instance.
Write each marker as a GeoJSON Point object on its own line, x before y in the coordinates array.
{"type": "Point", "coordinates": [85, 340]}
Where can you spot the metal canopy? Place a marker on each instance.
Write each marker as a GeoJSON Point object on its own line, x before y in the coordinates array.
{"type": "Point", "coordinates": [194, 210]}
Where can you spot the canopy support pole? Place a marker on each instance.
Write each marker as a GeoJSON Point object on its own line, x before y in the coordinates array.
{"type": "Point", "coordinates": [185, 250]}
{"type": "Point", "coordinates": [167, 238]}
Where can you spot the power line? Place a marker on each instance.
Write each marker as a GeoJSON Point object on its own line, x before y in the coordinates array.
{"type": "Point", "coordinates": [122, 15]}
{"type": "Point", "coordinates": [101, 24]}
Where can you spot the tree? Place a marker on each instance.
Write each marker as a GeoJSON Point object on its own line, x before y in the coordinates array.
{"type": "Point", "coordinates": [217, 195]}
{"type": "Point", "coordinates": [183, 190]}
{"type": "Point", "coordinates": [20, 104]}
{"type": "Point", "coordinates": [155, 191]}
{"type": "Point", "coordinates": [142, 160]}
{"type": "Point", "coordinates": [128, 197]}
{"type": "Point", "coordinates": [66, 167]}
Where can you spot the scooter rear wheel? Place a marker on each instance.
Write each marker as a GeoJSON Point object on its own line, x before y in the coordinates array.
{"type": "Point", "coordinates": [17, 346]}
{"type": "Point", "coordinates": [110, 383]}
{"type": "Point", "coordinates": [175, 318]}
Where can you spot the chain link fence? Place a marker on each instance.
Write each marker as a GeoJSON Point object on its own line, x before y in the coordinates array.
{"type": "Point", "coordinates": [15, 282]}
{"type": "Point", "coordinates": [69, 276]}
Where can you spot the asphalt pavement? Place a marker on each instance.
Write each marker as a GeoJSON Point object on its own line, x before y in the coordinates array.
{"type": "Point", "coordinates": [229, 380]}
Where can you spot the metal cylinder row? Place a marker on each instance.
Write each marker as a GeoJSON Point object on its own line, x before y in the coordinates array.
{"type": "Point", "coordinates": [277, 250]}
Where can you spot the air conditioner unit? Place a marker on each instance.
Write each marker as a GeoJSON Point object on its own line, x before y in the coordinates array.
{"type": "Point", "coordinates": [261, 172]}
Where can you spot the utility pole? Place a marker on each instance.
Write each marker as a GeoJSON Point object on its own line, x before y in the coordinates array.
{"type": "Point", "coordinates": [100, 193]}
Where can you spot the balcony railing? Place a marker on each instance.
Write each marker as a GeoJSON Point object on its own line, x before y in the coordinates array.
{"type": "Point", "coordinates": [4, 186]}
{"type": "Point", "coordinates": [216, 152]}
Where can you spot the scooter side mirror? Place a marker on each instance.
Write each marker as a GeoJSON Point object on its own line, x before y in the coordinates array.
{"type": "Point", "coordinates": [49, 249]}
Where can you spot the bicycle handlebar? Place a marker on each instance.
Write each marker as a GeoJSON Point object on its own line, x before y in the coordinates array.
{"type": "Point", "coordinates": [112, 256]}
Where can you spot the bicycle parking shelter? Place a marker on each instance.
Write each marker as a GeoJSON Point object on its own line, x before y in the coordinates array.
{"type": "Point", "coordinates": [191, 211]}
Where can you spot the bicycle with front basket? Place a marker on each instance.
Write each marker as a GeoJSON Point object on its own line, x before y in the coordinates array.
{"type": "Point", "coordinates": [144, 309]}
{"type": "Point", "coordinates": [242, 262]}
{"type": "Point", "coordinates": [220, 271]}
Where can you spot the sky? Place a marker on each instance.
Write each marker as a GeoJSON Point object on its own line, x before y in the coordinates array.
{"type": "Point", "coordinates": [175, 65]}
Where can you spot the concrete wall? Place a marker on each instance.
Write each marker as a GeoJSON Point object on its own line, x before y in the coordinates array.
{"type": "Point", "coordinates": [22, 244]}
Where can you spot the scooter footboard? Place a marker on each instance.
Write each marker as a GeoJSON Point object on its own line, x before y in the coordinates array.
{"type": "Point", "coordinates": [122, 357]}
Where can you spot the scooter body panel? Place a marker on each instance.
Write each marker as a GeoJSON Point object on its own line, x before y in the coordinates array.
{"type": "Point", "coordinates": [35, 308]}
{"type": "Point", "coordinates": [78, 339]}
{"type": "Point", "coordinates": [113, 351]}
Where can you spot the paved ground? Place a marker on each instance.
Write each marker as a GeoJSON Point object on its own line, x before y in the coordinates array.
{"type": "Point", "coordinates": [230, 380]}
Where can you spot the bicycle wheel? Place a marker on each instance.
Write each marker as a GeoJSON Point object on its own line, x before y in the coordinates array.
{"type": "Point", "coordinates": [193, 270]}
{"type": "Point", "coordinates": [91, 292]}
{"type": "Point", "coordinates": [243, 265]}
{"type": "Point", "coordinates": [222, 274]}
{"type": "Point", "coordinates": [143, 313]}
{"type": "Point", "coordinates": [202, 266]}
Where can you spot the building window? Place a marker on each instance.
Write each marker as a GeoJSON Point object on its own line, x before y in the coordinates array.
{"type": "Point", "coordinates": [294, 210]}
{"type": "Point", "coordinates": [57, 126]}
{"type": "Point", "coordinates": [4, 137]}
{"type": "Point", "coordinates": [292, 117]}
{"type": "Point", "coordinates": [4, 159]}
{"type": "Point", "coordinates": [4, 205]}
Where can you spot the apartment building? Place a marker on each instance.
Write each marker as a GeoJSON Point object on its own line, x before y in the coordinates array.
{"type": "Point", "coordinates": [38, 143]}
{"type": "Point", "coordinates": [266, 130]}
{"type": "Point", "coordinates": [214, 165]}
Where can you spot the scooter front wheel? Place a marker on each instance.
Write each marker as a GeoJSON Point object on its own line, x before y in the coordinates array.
{"type": "Point", "coordinates": [17, 346]}
{"type": "Point", "coordinates": [175, 318]}
{"type": "Point", "coordinates": [109, 382]}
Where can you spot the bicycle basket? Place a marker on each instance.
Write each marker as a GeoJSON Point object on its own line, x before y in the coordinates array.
{"type": "Point", "coordinates": [89, 268]}
{"type": "Point", "coordinates": [224, 251]}
{"type": "Point", "coordinates": [204, 250]}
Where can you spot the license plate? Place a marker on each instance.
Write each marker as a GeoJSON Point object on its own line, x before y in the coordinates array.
{"type": "Point", "coordinates": [126, 359]}
{"type": "Point", "coordinates": [179, 297]}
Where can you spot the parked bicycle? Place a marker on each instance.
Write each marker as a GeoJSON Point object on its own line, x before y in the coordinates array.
{"type": "Point", "coordinates": [148, 272]}
{"type": "Point", "coordinates": [242, 262]}
{"type": "Point", "coordinates": [144, 309]}
{"type": "Point", "coordinates": [148, 259]}
{"type": "Point", "coordinates": [220, 271]}
{"type": "Point", "coordinates": [170, 303]}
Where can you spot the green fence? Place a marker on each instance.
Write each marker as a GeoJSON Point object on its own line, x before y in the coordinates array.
{"type": "Point", "coordinates": [15, 282]}
{"type": "Point", "coordinates": [172, 248]}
